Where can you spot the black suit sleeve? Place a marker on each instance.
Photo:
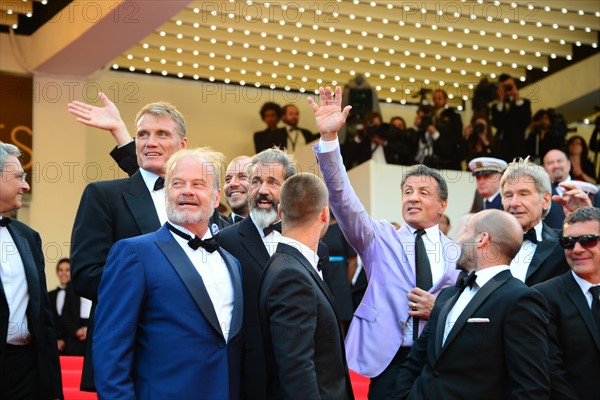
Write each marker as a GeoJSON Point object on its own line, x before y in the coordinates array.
{"type": "Point", "coordinates": [48, 330]}
{"type": "Point", "coordinates": [126, 158]}
{"type": "Point", "coordinates": [526, 347]}
{"type": "Point", "coordinates": [291, 306]}
{"type": "Point", "coordinates": [412, 367]}
{"type": "Point", "coordinates": [91, 241]}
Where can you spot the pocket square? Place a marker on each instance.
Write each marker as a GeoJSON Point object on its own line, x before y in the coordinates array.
{"type": "Point", "coordinates": [478, 320]}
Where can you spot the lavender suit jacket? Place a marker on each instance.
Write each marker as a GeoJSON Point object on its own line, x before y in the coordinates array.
{"type": "Point", "coordinates": [380, 321]}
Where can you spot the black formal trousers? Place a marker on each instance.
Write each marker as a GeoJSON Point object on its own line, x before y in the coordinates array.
{"type": "Point", "coordinates": [303, 341]}
{"type": "Point", "coordinates": [41, 353]}
{"type": "Point", "coordinates": [574, 339]}
{"type": "Point", "coordinates": [497, 349]}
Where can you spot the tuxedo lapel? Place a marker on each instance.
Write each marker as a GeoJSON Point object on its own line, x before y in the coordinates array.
{"type": "Point", "coordinates": [578, 298]}
{"type": "Point", "coordinates": [480, 297]}
{"type": "Point", "coordinates": [287, 249]}
{"type": "Point", "coordinates": [543, 250]}
{"type": "Point", "coordinates": [189, 276]}
{"type": "Point", "coordinates": [140, 204]}
{"type": "Point", "coordinates": [236, 282]}
{"type": "Point", "coordinates": [441, 322]}
{"type": "Point", "coordinates": [31, 274]}
{"type": "Point", "coordinates": [253, 243]}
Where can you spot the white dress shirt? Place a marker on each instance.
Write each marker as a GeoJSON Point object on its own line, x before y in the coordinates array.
{"type": "Point", "coordinates": [158, 196]}
{"type": "Point", "coordinates": [215, 276]}
{"type": "Point", "coordinates": [270, 241]}
{"type": "Point", "coordinates": [306, 251]}
{"type": "Point", "coordinates": [520, 264]}
{"type": "Point", "coordinates": [585, 288]}
{"type": "Point", "coordinates": [16, 290]}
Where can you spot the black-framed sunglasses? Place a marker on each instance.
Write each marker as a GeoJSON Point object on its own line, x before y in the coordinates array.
{"type": "Point", "coordinates": [568, 242]}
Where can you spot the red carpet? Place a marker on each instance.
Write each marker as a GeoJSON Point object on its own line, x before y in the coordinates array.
{"type": "Point", "coordinates": [360, 385]}
{"type": "Point", "coordinates": [71, 376]}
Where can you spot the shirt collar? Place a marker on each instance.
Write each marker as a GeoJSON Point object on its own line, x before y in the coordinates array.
{"type": "Point", "coordinates": [433, 232]}
{"type": "Point", "coordinates": [493, 197]}
{"type": "Point", "coordinates": [306, 251]}
{"type": "Point", "coordinates": [538, 231]}
{"type": "Point", "coordinates": [583, 284]}
{"type": "Point", "coordinates": [149, 179]}
{"type": "Point", "coordinates": [259, 229]}
{"type": "Point", "coordinates": [485, 275]}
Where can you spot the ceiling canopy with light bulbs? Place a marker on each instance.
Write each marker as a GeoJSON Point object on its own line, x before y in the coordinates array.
{"type": "Point", "coordinates": [399, 46]}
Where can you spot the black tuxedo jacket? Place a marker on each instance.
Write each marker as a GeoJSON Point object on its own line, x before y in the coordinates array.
{"type": "Point", "coordinates": [574, 338]}
{"type": "Point", "coordinates": [303, 341]}
{"type": "Point", "coordinates": [109, 211]}
{"type": "Point", "coordinates": [548, 260]}
{"type": "Point", "coordinates": [510, 129]}
{"type": "Point", "coordinates": [243, 241]}
{"type": "Point", "coordinates": [69, 321]}
{"type": "Point", "coordinates": [497, 349]}
{"type": "Point", "coordinates": [39, 312]}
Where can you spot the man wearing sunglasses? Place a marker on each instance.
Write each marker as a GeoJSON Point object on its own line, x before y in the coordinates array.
{"type": "Point", "coordinates": [574, 307]}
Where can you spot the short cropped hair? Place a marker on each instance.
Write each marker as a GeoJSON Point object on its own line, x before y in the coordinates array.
{"type": "Point", "coordinates": [213, 160]}
{"type": "Point", "coordinates": [523, 168]}
{"type": "Point", "coordinates": [423, 170]}
{"type": "Point", "coordinates": [497, 224]}
{"type": "Point", "coordinates": [583, 214]}
{"type": "Point", "coordinates": [302, 198]}
{"type": "Point", "coordinates": [163, 109]}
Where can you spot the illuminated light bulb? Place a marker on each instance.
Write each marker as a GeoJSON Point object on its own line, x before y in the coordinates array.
{"type": "Point", "coordinates": [402, 65]}
{"type": "Point", "coordinates": [242, 83]}
{"type": "Point", "coordinates": [132, 69]}
{"type": "Point", "coordinates": [453, 58]}
{"type": "Point", "coordinates": [163, 61]}
{"type": "Point", "coordinates": [276, 63]}
{"type": "Point", "coordinates": [164, 73]}
{"type": "Point", "coordinates": [493, 75]}
{"type": "Point", "coordinates": [211, 67]}
{"type": "Point", "coordinates": [148, 71]}
{"type": "Point", "coordinates": [179, 63]}
{"type": "Point", "coordinates": [397, 78]}
{"type": "Point", "coordinates": [438, 57]}
{"type": "Point", "coordinates": [529, 67]}
{"type": "Point", "coordinates": [506, 51]}
{"type": "Point", "coordinates": [162, 48]}
{"type": "Point", "coordinates": [378, 88]}
{"type": "Point", "coordinates": [448, 70]}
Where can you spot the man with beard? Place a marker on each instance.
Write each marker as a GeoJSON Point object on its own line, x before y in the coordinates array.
{"type": "Point", "coordinates": [237, 188]}
{"type": "Point", "coordinates": [303, 340]}
{"type": "Point", "coordinates": [487, 339]}
{"type": "Point", "coordinates": [169, 313]}
{"type": "Point", "coordinates": [252, 242]}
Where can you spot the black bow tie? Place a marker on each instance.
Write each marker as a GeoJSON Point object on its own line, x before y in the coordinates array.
{"type": "Point", "coordinates": [4, 221]}
{"type": "Point", "coordinates": [531, 236]}
{"type": "Point", "coordinates": [209, 245]}
{"type": "Point", "coordinates": [273, 227]}
{"type": "Point", "coordinates": [159, 184]}
{"type": "Point", "coordinates": [237, 218]}
{"type": "Point", "coordinates": [468, 280]}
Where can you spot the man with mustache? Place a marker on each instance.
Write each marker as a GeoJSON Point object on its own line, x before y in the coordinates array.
{"type": "Point", "coordinates": [170, 309]}
{"type": "Point", "coordinates": [252, 242]}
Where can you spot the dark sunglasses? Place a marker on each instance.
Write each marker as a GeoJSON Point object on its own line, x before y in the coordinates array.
{"type": "Point", "coordinates": [568, 242]}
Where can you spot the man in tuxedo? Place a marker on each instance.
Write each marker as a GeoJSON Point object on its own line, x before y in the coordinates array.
{"type": "Point", "coordinates": [108, 118]}
{"type": "Point", "coordinates": [252, 242]}
{"type": "Point", "coordinates": [113, 210]}
{"type": "Point", "coordinates": [574, 307]}
{"type": "Point", "coordinates": [487, 340]}
{"type": "Point", "coordinates": [511, 115]}
{"type": "Point", "coordinates": [526, 194]}
{"type": "Point", "coordinates": [410, 265]}
{"type": "Point", "coordinates": [303, 340]}
{"type": "Point", "coordinates": [71, 312]}
{"type": "Point", "coordinates": [488, 173]}
{"type": "Point", "coordinates": [237, 188]}
{"type": "Point", "coordinates": [273, 135]}
{"type": "Point", "coordinates": [557, 165]}
{"type": "Point", "coordinates": [290, 117]}
{"type": "Point", "coordinates": [29, 366]}
{"type": "Point", "coordinates": [170, 303]}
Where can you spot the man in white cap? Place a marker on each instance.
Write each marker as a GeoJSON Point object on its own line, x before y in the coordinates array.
{"type": "Point", "coordinates": [488, 172]}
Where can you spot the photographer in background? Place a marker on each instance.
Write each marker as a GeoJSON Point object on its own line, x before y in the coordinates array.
{"type": "Point", "coordinates": [511, 115]}
{"type": "Point", "coordinates": [374, 140]}
{"type": "Point", "coordinates": [478, 135]}
{"type": "Point", "coordinates": [547, 131]}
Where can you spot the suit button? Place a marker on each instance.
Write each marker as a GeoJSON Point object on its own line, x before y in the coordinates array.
{"type": "Point", "coordinates": [436, 373]}
{"type": "Point", "coordinates": [401, 322]}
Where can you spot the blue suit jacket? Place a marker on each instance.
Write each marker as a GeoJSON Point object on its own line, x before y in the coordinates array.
{"type": "Point", "coordinates": [379, 322]}
{"type": "Point", "coordinates": [157, 334]}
